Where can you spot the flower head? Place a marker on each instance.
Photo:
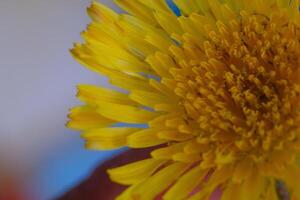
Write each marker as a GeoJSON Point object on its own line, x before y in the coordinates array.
{"type": "Point", "coordinates": [215, 91]}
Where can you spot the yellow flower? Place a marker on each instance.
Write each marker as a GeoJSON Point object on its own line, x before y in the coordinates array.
{"type": "Point", "coordinates": [215, 90]}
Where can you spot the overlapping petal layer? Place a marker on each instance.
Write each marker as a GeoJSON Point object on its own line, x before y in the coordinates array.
{"type": "Point", "coordinates": [216, 90]}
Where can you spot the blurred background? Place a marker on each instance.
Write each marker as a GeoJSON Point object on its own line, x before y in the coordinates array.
{"type": "Point", "coordinates": [39, 157]}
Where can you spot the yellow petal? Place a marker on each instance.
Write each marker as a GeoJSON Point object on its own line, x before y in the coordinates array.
{"type": "Point", "coordinates": [186, 158]}
{"type": "Point", "coordinates": [157, 183]}
{"type": "Point", "coordinates": [149, 98]}
{"type": "Point", "coordinates": [204, 7]}
{"type": "Point", "coordinates": [167, 152]}
{"type": "Point", "coordinates": [160, 40]}
{"type": "Point", "coordinates": [187, 7]}
{"type": "Point", "coordinates": [200, 22]}
{"type": "Point", "coordinates": [271, 193]}
{"type": "Point", "coordinates": [125, 113]}
{"type": "Point", "coordinates": [117, 58]}
{"type": "Point", "coordinates": [215, 7]}
{"type": "Point", "coordinates": [159, 121]}
{"type": "Point", "coordinates": [82, 57]}
{"type": "Point", "coordinates": [107, 138]}
{"type": "Point", "coordinates": [103, 34]}
{"type": "Point", "coordinates": [137, 9]}
{"type": "Point", "coordinates": [117, 78]}
{"type": "Point", "coordinates": [291, 178]}
{"type": "Point", "coordinates": [166, 107]}
{"type": "Point", "coordinates": [97, 95]}
{"type": "Point", "coordinates": [253, 186]}
{"type": "Point", "coordinates": [168, 22]}
{"type": "Point", "coordinates": [161, 69]}
{"type": "Point", "coordinates": [186, 184]}
{"type": "Point", "coordinates": [219, 176]}
{"type": "Point", "coordinates": [85, 117]}
{"type": "Point", "coordinates": [100, 13]}
{"type": "Point", "coordinates": [194, 147]}
{"type": "Point", "coordinates": [145, 138]}
{"type": "Point", "coordinates": [128, 81]}
{"type": "Point", "coordinates": [160, 5]}
{"type": "Point", "coordinates": [163, 89]}
{"type": "Point", "coordinates": [228, 13]}
{"type": "Point", "coordinates": [294, 9]}
{"type": "Point", "coordinates": [173, 135]}
{"type": "Point", "coordinates": [242, 170]}
{"type": "Point", "coordinates": [188, 26]}
{"type": "Point", "coordinates": [134, 37]}
{"type": "Point", "coordinates": [231, 192]}
{"type": "Point", "coordinates": [203, 194]}
{"type": "Point", "coordinates": [134, 172]}
{"type": "Point", "coordinates": [126, 194]}
{"type": "Point", "coordinates": [283, 3]}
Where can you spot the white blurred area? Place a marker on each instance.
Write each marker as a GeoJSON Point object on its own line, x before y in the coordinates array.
{"type": "Point", "coordinates": [37, 81]}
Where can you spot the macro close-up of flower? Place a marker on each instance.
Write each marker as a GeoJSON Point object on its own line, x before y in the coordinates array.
{"type": "Point", "coordinates": [211, 86]}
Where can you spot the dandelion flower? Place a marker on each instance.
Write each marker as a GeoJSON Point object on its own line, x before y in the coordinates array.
{"type": "Point", "coordinates": [214, 90]}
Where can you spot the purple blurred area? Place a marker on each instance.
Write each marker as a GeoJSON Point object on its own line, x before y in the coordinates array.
{"type": "Point", "coordinates": [37, 83]}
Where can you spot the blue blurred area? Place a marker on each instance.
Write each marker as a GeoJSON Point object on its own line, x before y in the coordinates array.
{"type": "Point", "coordinates": [173, 6]}
{"type": "Point", "coordinates": [67, 167]}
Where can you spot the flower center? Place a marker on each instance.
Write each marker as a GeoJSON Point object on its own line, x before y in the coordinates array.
{"type": "Point", "coordinates": [240, 91]}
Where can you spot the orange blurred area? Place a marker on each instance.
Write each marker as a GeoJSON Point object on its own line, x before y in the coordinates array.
{"type": "Point", "coordinates": [10, 190]}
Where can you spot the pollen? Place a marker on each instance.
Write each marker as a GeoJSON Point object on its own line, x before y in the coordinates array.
{"type": "Point", "coordinates": [240, 92]}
